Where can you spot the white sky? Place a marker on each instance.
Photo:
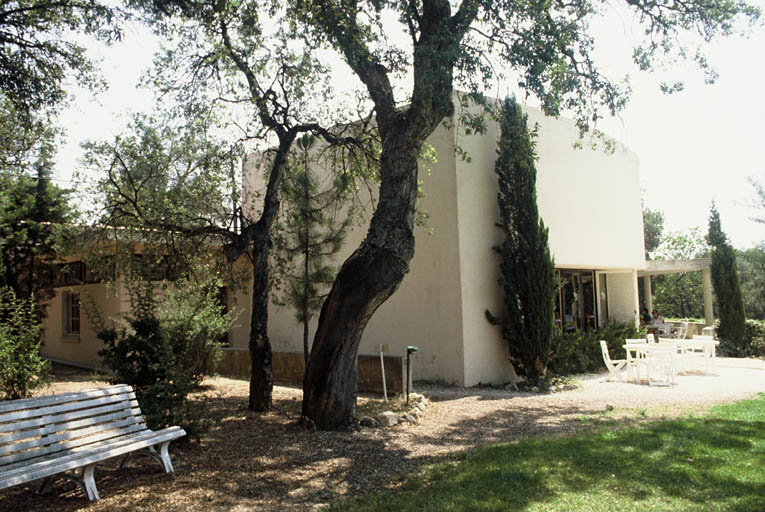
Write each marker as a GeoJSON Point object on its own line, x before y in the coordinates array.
{"type": "Point", "coordinates": [694, 147]}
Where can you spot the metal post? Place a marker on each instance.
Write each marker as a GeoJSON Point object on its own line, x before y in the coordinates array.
{"type": "Point", "coordinates": [409, 350]}
{"type": "Point", "coordinates": [382, 366]}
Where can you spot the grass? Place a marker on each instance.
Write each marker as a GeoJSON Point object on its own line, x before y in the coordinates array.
{"type": "Point", "coordinates": [714, 462]}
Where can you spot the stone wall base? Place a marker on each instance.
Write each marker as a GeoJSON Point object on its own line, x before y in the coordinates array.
{"type": "Point", "coordinates": [289, 368]}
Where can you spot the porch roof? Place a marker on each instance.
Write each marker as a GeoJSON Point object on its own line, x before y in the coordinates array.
{"type": "Point", "coordinates": [654, 268]}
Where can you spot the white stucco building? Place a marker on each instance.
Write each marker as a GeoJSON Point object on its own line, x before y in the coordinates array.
{"type": "Point", "coordinates": [590, 200]}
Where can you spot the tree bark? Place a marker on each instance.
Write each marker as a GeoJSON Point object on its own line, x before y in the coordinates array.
{"type": "Point", "coordinates": [366, 280]}
{"type": "Point", "coordinates": [262, 375]}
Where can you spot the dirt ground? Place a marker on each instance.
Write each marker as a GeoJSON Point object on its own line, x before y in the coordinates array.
{"type": "Point", "coordinates": [269, 462]}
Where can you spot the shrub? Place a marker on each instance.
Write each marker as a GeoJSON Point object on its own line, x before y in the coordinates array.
{"type": "Point", "coordinates": [753, 345]}
{"type": "Point", "coordinates": [21, 368]}
{"type": "Point", "coordinates": [579, 352]}
{"type": "Point", "coordinates": [167, 350]}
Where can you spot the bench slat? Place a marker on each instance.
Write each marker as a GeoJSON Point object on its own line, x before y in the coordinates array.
{"type": "Point", "coordinates": [67, 421]}
{"type": "Point", "coordinates": [77, 460]}
{"type": "Point", "coordinates": [65, 407]}
{"type": "Point", "coordinates": [63, 444]}
{"type": "Point", "coordinates": [27, 403]}
{"type": "Point", "coordinates": [131, 431]}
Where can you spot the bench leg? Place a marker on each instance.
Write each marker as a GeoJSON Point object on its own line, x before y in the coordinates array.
{"type": "Point", "coordinates": [89, 483]}
{"type": "Point", "coordinates": [163, 456]}
{"type": "Point", "coordinates": [47, 486]}
{"type": "Point", "coordinates": [86, 482]}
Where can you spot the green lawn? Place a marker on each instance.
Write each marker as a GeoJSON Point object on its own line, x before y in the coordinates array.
{"type": "Point", "coordinates": [712, 462]}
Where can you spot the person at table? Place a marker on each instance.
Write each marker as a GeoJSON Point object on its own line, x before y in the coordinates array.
{"type": "Point", "coordinates": [657, 319]}
{"type": "Point", "coordinates": [645, 317]}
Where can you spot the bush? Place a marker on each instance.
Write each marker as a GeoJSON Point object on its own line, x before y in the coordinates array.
{"type": "Point", "coordinates": [166, 352]}
{"type": "Point", "coordinates": [753, 345]}
{"type": "Point", "coordinates": [21, 368]}
{"type": "Point", "coordinates": [579, 352]}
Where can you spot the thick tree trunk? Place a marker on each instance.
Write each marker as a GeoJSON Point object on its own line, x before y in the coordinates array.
{"type": "Point", "coordinates": [262, 375]}
{"type": "Point", "coordinates": [367, 278]}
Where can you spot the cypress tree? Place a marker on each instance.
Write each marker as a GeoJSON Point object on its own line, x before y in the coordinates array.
{"type": "Point", "coordinates": [726, 284]}
{"type": "Point", "coordinates": [527, 268]}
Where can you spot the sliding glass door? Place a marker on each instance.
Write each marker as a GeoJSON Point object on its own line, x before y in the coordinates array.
{"type": "Point", "coordinates": [576, 307]}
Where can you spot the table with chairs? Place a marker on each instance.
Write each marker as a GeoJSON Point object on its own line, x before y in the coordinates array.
{"type": "Point", "coordinates": [658, 360]}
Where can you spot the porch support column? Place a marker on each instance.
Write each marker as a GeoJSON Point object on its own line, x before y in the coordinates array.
{"type": "Point", "coordinates": [636, 299]}
{"type": "Point", "coordinates": [648, 292]}
{"type": "Point", "coordinates": [706, 279]}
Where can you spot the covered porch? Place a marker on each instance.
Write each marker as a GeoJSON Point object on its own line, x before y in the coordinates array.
{"type": "Point", "coordinates": [654, 268]}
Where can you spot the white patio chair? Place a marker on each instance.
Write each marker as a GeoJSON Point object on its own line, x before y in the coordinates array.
{"type": "Point", "coordinates": [664, 329]}
{"type": "Point", "coordinates": [615, 366]}
{"type": "Point", "coordinates": [680, 332]}
{"type": "Point", "coordinates": [661, 362]}
{"type": "Point", "coordinates": [634, 363]}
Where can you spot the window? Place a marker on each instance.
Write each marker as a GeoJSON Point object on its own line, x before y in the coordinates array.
{"type": "Point", "coordinates": [77, 272]}
{"type": "Point", "coordinates": [71, 314]}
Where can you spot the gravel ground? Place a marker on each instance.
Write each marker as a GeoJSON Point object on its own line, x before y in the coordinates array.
{"type": "Point", "coordinates": [268, 462]}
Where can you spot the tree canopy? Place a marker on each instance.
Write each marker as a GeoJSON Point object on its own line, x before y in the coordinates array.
{"type": "Point", "coordinates": [39, 50]}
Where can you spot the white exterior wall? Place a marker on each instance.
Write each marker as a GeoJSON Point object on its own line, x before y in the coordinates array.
{"type": "Point", "coordinates": [590, 201]}
{"type": "Point", "coordinates": [486, 354]}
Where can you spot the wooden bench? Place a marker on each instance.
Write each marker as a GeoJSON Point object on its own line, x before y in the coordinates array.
{"type": "Point", "coordinates": [66, 435]}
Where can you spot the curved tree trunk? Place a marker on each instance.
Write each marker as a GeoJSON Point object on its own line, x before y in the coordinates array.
{"type": "Point", "coordinates": [367, 278]}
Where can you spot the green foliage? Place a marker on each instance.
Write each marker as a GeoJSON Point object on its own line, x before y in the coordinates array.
{"type": "Point", "coordinates": [752, 346]}
{"type": "Point", "coordinates": [579, 351]}
{"type": "Point", "coordinates": [653, 226]}
{"type": "Point", "coordinates": [751, 266]}
{"type": "Point", "coordinates": [21, 368]}
{"type": "Point", "coordinates": [680, 295]}
{"type": "Point", "coordinates": [710, 462]}
{"type": "Point", "coordinates": [31, 211]}
{"type": "Point", "coordinates": [39, 52]}
{"type": "Point", "coordinates": [169, 345]}
{"type": "Point", "coordinates": [527, 268]}
{"type": "Point", "coordinates": [725, 281]}
{"type": "Point", "coordinates": [311, 229]}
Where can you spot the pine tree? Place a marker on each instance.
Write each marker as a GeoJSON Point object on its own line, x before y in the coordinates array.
{"type": "Point", "coordinates": [726, 284]}
{"type": "Point", "coordinates": [527, 268]}
{"type": "Point", "coordinates": [31, 209]}
{"type": "Point", "coordinates": [312, 229]}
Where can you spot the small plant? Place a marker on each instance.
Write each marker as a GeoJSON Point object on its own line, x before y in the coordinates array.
{"type": "Point", "coordinates": [21, 368]}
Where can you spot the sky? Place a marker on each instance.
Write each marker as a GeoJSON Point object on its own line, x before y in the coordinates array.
{"type": "Point", "coordinates": [694, 147]}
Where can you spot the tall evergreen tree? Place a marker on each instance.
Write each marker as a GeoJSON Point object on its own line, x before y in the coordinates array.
{"type": "Point", "coordinates": [527, 268]}
{"type": "Point", "coordinates": [312, 228]}
{"type": "Point", "coordinates": [31, 208]}
{"type": "Point", "coordinates": [725, 281]}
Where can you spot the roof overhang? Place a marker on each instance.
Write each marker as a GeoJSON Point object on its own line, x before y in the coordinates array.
{"type": "Point", "coordinates": [654, 268]}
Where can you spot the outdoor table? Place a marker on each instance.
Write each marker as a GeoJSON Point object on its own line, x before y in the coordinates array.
{"type": "Point", "coordinates": [654, 356]}
{"type": "Point", "coordinates": [705, 348]}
